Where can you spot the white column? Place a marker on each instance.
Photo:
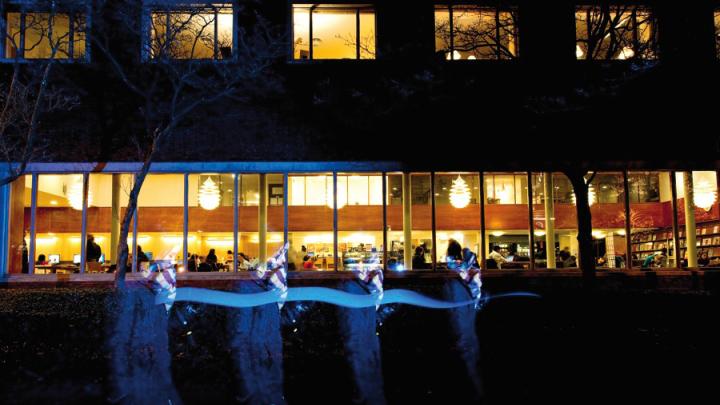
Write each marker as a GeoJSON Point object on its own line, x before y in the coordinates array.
{"type": "Point", "coordinates": [549, 220]}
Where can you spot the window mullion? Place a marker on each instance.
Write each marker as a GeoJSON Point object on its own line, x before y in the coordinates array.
{"type": "Point", "coordinates": [452, 32]}
{"type": "Point", "coordinates": [21, 46]}
{"type": "Point", "coordinates": [357, 32]}
{"type": "Point", "coordinates": [310, 24]}
{"type": "Point", "coordinates": [497, 32]}
{"type": "Point", "coordinates": [71, 35]}
{"type": "Point", "coordinates": [215, 33]}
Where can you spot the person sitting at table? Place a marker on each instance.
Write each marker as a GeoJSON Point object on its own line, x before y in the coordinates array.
{"type": "Point", "coordinates": [193, 263]}
{"type": "Point", "coordinates": [229, 257]}
{"type": "Point", "coordinates": [567, 259]}
{"type": "Point", "coordinates": [42, 261]}
{"type": "Point", "coordinates": [704, 259]}
{"type": "Point", "coordinates": [92, 249]}
{"type": "Point", "coordinates": [205, 266]}
{"type": "Point", "coordinates": [497, 257]}
{"type": "Point", "coordinates": [309, 263]}
{"type": "Point", "coordinates": [418, 260]}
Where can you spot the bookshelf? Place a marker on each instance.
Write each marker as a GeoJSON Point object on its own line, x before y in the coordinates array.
{"type": "Point", "coordinates": [643, 243]}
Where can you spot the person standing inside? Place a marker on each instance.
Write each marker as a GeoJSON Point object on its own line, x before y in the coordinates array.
{"type": "Point", "coordinates": [92, 249]}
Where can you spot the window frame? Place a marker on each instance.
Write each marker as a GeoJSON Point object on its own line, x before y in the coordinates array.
{"type": "Point", "coordinates": [311, 7]}
{"type": "Point", "coordinates": [480, 7]}
{"type": "Point", "coordinates": [83, 8]}
{"type": "Point", "coordinates": [151, 8]}
{"type": "Point", "coordinates": [638, 53]}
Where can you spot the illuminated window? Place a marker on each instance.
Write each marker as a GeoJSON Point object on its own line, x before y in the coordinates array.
{"type": "Point", "coordinates": [717, 33]}
{"type": "Point", "coordinates": [471, 32]}
{"type": "Point", "coordinates": [44, 35]}
{"type": "Point", "coordinates": [615, 33]}
{"type": "Point", "coordinates": [510, 188]}
{"type": "Point", "coordinates": [337, 31]}
{"type": "Point", "coordinates": [192, 33]}
{"type": "Point", "coordinates": [351, 190]}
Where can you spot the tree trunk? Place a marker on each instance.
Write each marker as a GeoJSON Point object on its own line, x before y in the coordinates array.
{"type": "Point", "coordinates": [140, 356]}
{"type": "Point", "coordinates": [257, 350]}
{"type": "Point", "coordinates": [362, 349]}
{"type": "Point", "coordinates": [584, 219]}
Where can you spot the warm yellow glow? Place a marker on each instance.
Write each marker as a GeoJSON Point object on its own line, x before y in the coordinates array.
{"type": "Point", "coordinates": [75, 193]}
{"type": "Point", "coordinates": [621, 232]}
{"type": "Point", "coordinates": [539, 233]}
{"type": "Point", "coordinates": [579, 53]}
{"type": "Point", "coordinates": [455, 55]}
{"type": "Point", "coordinates": [273, 238]}
{"type": "Point", "coordinates": [335, 32]}
{"type": "Point", "coordinates": [192, 36]}
{"type": "Point", "coordinates": [219, 241]}
{"type": "Point", "coordinates": [592, 196]}
{"type": "Point", "coordinates": [704, 190]}
{"type": "Point", "coordinates": [497, 233]}
{"type": "Point", "coordinates": [318, 238]}
{"type": "Point", "coordinates": [357, 238]}
{"type": "Point", "coordinates": [459, 193]}
{"type": "Point", "coordinates": [53, 202]}
{"type": "Point", "coordinates": [598, 234]}
{"type": "Point", "coordinates": [98, 239]}
{"type": "Point", "coordinates": [209, 195]}
{"type": "Point", "coordinates": [176, 239]}
{"type": "Point", "coordinates": [46, 240]}
{"type": "Point", "coordinates": [626, 53]}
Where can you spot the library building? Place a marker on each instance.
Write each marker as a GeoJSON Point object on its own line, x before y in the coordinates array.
{"type": "Point", "coordinates": [337, 220]}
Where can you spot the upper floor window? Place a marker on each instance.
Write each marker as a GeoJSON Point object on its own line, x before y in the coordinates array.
{"type": "Point", "coordinates": [472, 32]}
{"type": "Point", "coordinates": [49, 33]}
{"type": "Point", "coordinates": [337, 31]}
{"type": "Point", "coordinates": [191, 32]}
{"type": "Point", "coordinates": [717, 34]}
{"type": "Point", "coordinates": [614, 32]}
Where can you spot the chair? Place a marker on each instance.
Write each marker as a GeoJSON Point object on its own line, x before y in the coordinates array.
{"type": "Point", "coordinates": [491, 264]}
{"type": "Point", "coordinates": [93, 267]}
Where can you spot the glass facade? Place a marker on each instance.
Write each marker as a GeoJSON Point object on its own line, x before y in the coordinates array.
{"type": "Point", "coordinates": [507, 223]}
{"type": "Point", "coordinates": [651, 219]}
{"type": "Point", "coordinates": [554, 221]}
{"type": "Point", "coordinates": [335, 221]}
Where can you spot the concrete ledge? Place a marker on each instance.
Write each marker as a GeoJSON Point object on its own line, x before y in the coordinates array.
{"type": "Point", "coordinates": [660, 279]}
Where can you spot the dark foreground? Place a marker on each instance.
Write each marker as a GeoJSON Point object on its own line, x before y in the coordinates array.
{"type": "Point", "coordinates": [563, 348]}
